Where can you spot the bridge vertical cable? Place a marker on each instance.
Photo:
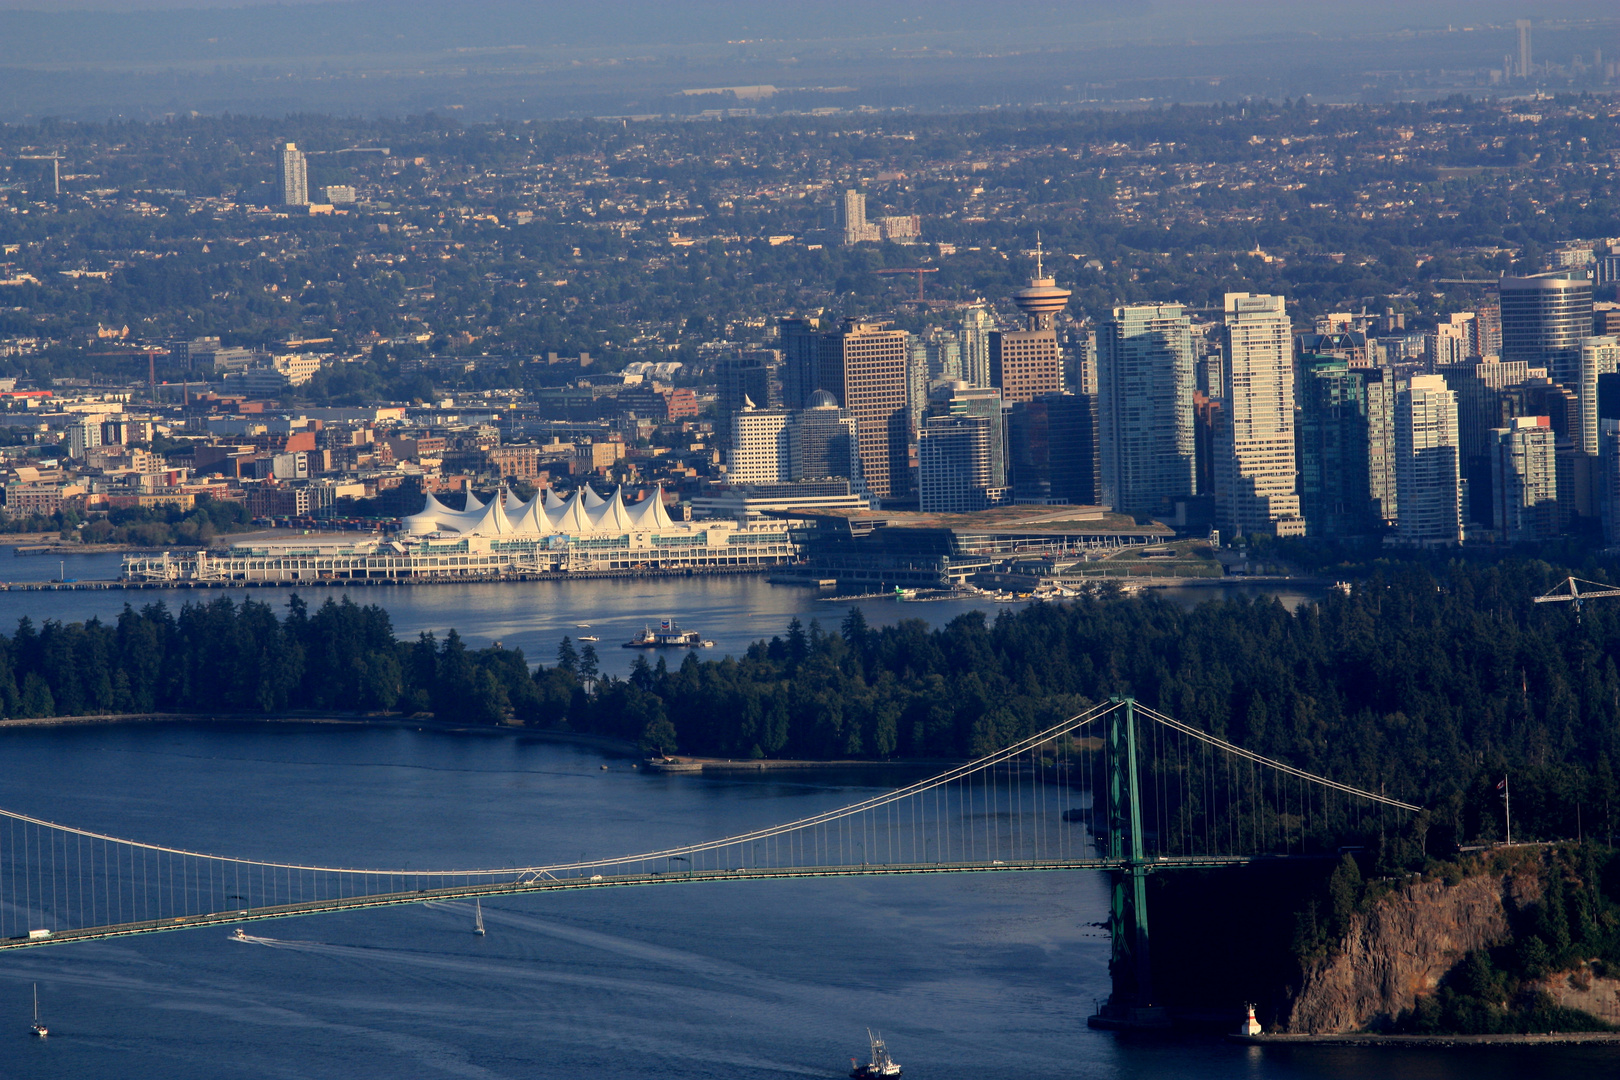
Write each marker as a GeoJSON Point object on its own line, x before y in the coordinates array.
{"type": "Point", "coordinates": [1028, 804]}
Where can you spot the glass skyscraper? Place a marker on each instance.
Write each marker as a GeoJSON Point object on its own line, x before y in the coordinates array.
{"type": "Point", "coordinates": [1145, 408]}
{"type": "Point", "coordinates": [1544, 319]}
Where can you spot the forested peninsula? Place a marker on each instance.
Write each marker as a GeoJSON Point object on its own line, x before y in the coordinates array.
{"type": "Point", "coordinates": [1427, 683]}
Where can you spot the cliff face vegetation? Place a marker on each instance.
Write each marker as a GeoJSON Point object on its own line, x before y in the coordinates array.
{"type": "Point", "coordinates": [1401, 946]}
{"type": "Point", "coordinates": [1509, 941]}
{"type": "Point", "coordinates": [1521, 941]}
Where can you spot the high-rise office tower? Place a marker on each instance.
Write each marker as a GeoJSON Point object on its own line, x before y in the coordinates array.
{"type": "Point", "coordinates": [1052, 450]}
{"type": "Point", "coordinates": [1599, 356]}
{"type": "Point", "coordinates": [1544, 318]}
{"type": "Point", "coordinates": [1541, 397]}
{"type": "Point", "coordinates": [800, 342]}
{"type": "Point", "coordinates": [1085, 364]}
{"type": "Point", "coordinates": [824, 441]}
{"type": "Point", "coordinates": [760, 451]}
{"type": "Point", "coordinates": [864, 366]}
{"type": "Point", "coordinates": [1488, 328]}
{"type": "Point", "coordinates": [960, 399]}
{"type": "Point", "coordinates": [1145, 407]}
{"type": "Point", "coordinates": [953, 464]}
{"type": "Point", "coordinates": [1523, 26]}
{"type": "Point", "coordinates": [944, 356]}
{"type": "Point", "coordinates": [1379, 386]}
{"type": "Point", "coordinates": [1453, 341]}
{"type": "Point", "coordinates": [292, 175]}
{"type": "Point", "coordinates": [1426, 474]}
{"type": "Point", "coordinates": [1607, 478]}
{"type": "Point", "coordinates": [1027, 363]}
{"type": "Point", "coordinates": [1254, 444]}
{"type": "Point", "coordinates": [977, 325]}
{"type": "Point", "coordinates": [916, 383]}
{"type": "Point", "coordinates": [750, 375]}
{"type": "Point", "coordinates": [1206, 419]}
{"type": "Point", "coordinates": [1524, 480]}
{"type": "Point", "coordinates": [1334, 491]}
{"type": "Point", "coordinates": [1208, 367]}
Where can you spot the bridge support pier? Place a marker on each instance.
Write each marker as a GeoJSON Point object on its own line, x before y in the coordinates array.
{"type": "Point", "coordinates": [1131, 1005]}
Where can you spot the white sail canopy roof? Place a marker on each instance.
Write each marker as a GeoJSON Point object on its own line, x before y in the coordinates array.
{"type": "Point", "coordinates": [584, 513]}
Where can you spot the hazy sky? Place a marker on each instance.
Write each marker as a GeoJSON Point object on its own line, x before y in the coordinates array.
{"type": "Point", "coordinates": [93, 58]}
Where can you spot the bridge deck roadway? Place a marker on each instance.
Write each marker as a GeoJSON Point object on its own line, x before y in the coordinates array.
{"type": "Point", "coordinates": [528, 884]}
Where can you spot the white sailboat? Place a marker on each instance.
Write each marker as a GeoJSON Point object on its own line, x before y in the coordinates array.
{"type": "Point", "coordinates": [478, 917]}
{"type": "Point", "coordinates": [38, 1028]}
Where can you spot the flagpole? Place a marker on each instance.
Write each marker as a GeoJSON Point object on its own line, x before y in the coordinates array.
{"type": "Point", "coordinates": [1507, 808]}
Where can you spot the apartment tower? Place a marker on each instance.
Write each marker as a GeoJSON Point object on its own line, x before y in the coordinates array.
{"type": "Point", "coordinates": [292, 175]}
{"type": "Point", "coordinates": [1145, 408]}
{"type": "Point", "coordinates": [1426, 477]}
{"type": "Point", "coordinates": [1254, 442]}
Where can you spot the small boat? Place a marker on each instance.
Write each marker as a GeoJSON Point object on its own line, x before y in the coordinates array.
{"type": "Point", "coordinates": [38, 1028]}
{"type": "Point", "coordinates": [668, 636]}
{"type": "Point", "coordinates": [240, 935]}
{"type": "Point", "coordinates": [589, 637]}
{"type": "Point", "coordinates": [478, 917]}
{"type": "Point", "coordinates": [880, 1065]}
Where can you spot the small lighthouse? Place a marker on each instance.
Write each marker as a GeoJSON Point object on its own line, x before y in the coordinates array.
{"type": "Point", "coordinates": [1250, 1026]}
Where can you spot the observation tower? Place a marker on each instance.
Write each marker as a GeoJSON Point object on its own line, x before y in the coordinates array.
{"type": "Point", "coordinates": [1041, 300]}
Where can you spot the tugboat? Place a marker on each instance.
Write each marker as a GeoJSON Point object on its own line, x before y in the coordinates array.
{"type": "Point", "coordinates": [667, 636]}
{"type": "Point", "coordinates": [39, 1029]}
{"type": "Point", "coordinates": [881, 1064]}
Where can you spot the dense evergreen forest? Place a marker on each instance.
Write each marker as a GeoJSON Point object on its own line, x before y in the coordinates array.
{"type": "Point", "coordinates": [1429, 683]}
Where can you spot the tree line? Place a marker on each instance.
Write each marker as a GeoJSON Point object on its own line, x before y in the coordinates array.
{"type": "Point", "coordinates": [1431, 684]}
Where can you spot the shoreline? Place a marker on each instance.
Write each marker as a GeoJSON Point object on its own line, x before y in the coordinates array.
{"type": "Point", "coordinates": [687, 764]}
{"type": "Point", "coordinates": [1439, 1042]}
{"type": "Point", "coordinates": [133, 584]}
{"type": "Point", "coordinates": [324, 716]}
{"type": "Point", "coordinates": [684, 763]}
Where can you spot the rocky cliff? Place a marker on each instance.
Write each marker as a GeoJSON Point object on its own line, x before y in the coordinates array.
{"type": "Point", "coordinates": [1401, 945]}
{"type": "Point", "coordinates": [1585, 990]}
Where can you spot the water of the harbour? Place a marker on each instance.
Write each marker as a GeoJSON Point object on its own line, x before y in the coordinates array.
{"type": "Point", "coordinates": [732, 611]}
{"type": "Point", "coordinates": [967, 976]}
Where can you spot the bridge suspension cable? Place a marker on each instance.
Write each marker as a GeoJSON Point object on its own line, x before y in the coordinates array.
{"type": "Point", "coordinates": [1036, 803]}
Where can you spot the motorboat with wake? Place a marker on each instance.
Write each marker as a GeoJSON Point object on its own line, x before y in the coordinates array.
{"type": "Point", "coordinates": [478, 917]}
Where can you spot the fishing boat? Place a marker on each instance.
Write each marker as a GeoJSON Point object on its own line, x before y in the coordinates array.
{"type": "Point", "coordinates": [478, 917]}
{"type": "Point", "coordinates": [38, 1028]}
{"type": "Point", "coordinates": [880, 1065]}
{"type": "Point", "coordinates": [668, 636]}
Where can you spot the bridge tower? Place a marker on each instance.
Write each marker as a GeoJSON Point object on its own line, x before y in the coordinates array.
{"type": "Point", "coordinates": [1131, 1005]}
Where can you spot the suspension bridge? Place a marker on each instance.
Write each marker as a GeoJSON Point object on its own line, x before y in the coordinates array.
{"type": "Point", "coordinates": [1120, 787]}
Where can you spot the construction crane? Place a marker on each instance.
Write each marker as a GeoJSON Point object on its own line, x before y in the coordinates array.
{"type": "Point", "coordinates": [56, 166]}
{"type": "Point", "coordinates": [919, 271]}
{"type": "Point", "coordinates": [1575, 595]}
